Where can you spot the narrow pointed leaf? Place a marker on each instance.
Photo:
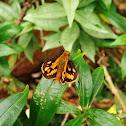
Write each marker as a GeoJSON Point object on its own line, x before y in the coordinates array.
{"type": "Point", "coordinates": [69, 36]}
{"type": "Point", "coordinates": [52, 41]}
{"type": "Point", "coordinates": [97, 78]}
{"type": "Point", "coordinates": [90, 23]}
{"type": "Point", "coordinates": [87, 45]}
{"type": "Point", "coordinates": [11, 107]}
{"type": "Point", "coordinates": [64, 107]}
{"type": "Point", "coordinates": [123, 62]}
{"type": "Point", "coordinates": [101, 117]}
{"type": "Point", "coordinates": [9, 31]}
{"type": "Point", "coordinates": [116, 20]}
{"type": "Point", "coordinates": [5, 50]}
{"type": "Point", "coordinates": [75, 122]}
{"type": "Point", "coordinates": [70, 8]}
{"type": "Point", "coordinates": [107, 3]}
{"type": "Point", "coordinates": [4, 66]}
{"type": "Point", "coordinates": [45, 102]}
{"type": "Point", "coordinates": [121, 40]}
{"type": "Point", "coordinates": [84, 82]}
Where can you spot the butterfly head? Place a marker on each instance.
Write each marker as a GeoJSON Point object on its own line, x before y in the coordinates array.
{"type": "Point", "coordinates": [66, 53]}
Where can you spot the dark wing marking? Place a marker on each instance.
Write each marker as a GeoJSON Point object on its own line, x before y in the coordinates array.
{"type": "Point", "coordinates": [47, 71]}
{"type": "Point", "coordinates": [71, 74]}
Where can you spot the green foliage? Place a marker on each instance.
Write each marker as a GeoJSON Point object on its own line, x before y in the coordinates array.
{"type": "Point", "coordinates": [75, 24]}
{"type": "Point", "coordinates": [11, 107]}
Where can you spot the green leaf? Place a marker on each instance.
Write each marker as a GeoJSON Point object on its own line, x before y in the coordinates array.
{"type": "Point", "coordinates": [45, 102]}
{"type": "Point", "coordinates": [9, 31]}
{"type": "Point", "coordinates": [15, 5]}
{"type": "Point", "coordinates": [11, 107]}
{"type": "Point", "coordinates": [47, 11]}
{"type": "Point", "coordinates": [123, 63]}
{"type": "Point", "coordinates": [83, 3]}
{"type": "Point", "coordinates": [90, 7]}
{"type": "Point", "coordinates": [87, 45]}
{"type": "Point", "coordinates": [75, 122]}
{"type": "Point", "coordinates": [101, 117]}
{"type": "Point", "coordinates": [49, 24]}
{"type": "Point", "coordinates": [16, 47]}
{"type": "Point", "coordinates": [64, 107]}
{"type": "Point", "coordinates": [4, 67]}
{"type": "Point", "coordinates": [92, 25]}
{"type": "Point", "coordinates": [25, 39]}
{"type": "Point", "coordinates": [5, 50]}
{"type": "Point", "coordinates": [97, 79]}
{"type": "Point", "coordinates": [29, 51]}
{"type": "Point", "coordinates": [116, 20]}
{"type": "Point", "coordinates": [27, 27]}
{"type": "Point", "coordinates": [12, 60]}
{"type": "Point", "coordinates": [121, 40]}
{"type": "Point", "coordinates": [52, 41]}
{"type": "Point", "coordinates": [84, 82]}
{"type": "Point", "coordinates": [18, 123]}
{"type": "Point", "coordinates": [75, 46]}
{"type": "Point", "coordinates": [70, 7]}
{"type": "Point", "coordinates": [107, 3]}
{"type": "Point", "coordinates": [69, 36]}
{"type": "Point", "coordinates": [7, 12]}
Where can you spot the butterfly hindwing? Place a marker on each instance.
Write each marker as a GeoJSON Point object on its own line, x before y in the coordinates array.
{"type": "Point", "coordinates": [71, 74]}
{"type": "Point", "coordinates": [48, 71]}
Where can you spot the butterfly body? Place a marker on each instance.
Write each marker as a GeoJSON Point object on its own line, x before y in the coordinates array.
{"type": "Point", "coordinates": [61, 69]}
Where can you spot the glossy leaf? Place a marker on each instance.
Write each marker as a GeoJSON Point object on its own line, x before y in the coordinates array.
{"type": "Point", "coordinates": [87, 45]}
{"type": "Point", "coordinates": [90, 7]}
{"type": "Point", "coordinates": [11, 107]}
{"type": "Point", "coordinates": [64, 107]}
{"type": "Point", "coordinates": [116, 20]}
{"type": "Point", "coordinates": [5, 50]}
{"type": "Point", "coordinates": [48, 24]}
{"type": "Point", "coordinates": [83, 3]}
{"type": "Point", "coordinates": [45, 101]}
{"type": "Point", "coordinates": [97, 79]}
{"type": "Point", "coordinates": [4, 66]}
{"type": "Point", "coordinates": [75, 122]}
{"type": "Point", "coordinates": [9, 31]}
{"type": "Point", "coordinates": [69, 36]}
{"type": "Point", "coordinates": [7, 12]}
{"type": "Point", "coordinates": [107, 3]}
{"type": "Point", "coordinates": [46, 11]}
{"type": "Point", "coordinates": [25, 39]}
{"type": "Point", "coordinates": [70, 7]}
{"type": "Point", "coordinates": [52, 41]}
{"type": "Point", "coordinates": [101, 117]}
{"type": "Point", "coordinates": [123, 62]}
{"type": "Point", "coordinates": [121, 40]}
{"type": "Point", "coordinates": [18, 123]}
{"type": "Point", "coordinates": [84, 82]}
{"type": "Point", "coordinates": [92, 25]}
{"type": "Point", "coordinates": [29, 51]}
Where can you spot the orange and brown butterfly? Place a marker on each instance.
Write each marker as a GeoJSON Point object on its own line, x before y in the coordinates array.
{"type": "Point", "coordinates": [62, 69]}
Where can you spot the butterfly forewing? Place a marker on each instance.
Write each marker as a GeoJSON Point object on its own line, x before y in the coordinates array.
{"type": "Point", "coordinates": [47, 71]}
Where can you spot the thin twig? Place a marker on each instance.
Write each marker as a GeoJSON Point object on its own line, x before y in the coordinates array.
{"type": "Point", "coordinates": [65, 119]}
{"type": "Point", "coordinates": [113, 88]}
{"type": "Point", "coordinates": [115, 59]}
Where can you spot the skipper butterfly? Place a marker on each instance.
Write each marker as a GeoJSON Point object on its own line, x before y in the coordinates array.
{"type": "Point", "coordinates": [62, 69]}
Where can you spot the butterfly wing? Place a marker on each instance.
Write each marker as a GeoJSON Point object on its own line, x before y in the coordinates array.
{"type": "Point", "coordinates": [71, 74]}
{"type": "Point", "coordinates": [49, 68]}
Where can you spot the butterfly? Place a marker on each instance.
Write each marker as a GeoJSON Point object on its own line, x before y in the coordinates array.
{"type": "Point", "coordinates": [62, 69]}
